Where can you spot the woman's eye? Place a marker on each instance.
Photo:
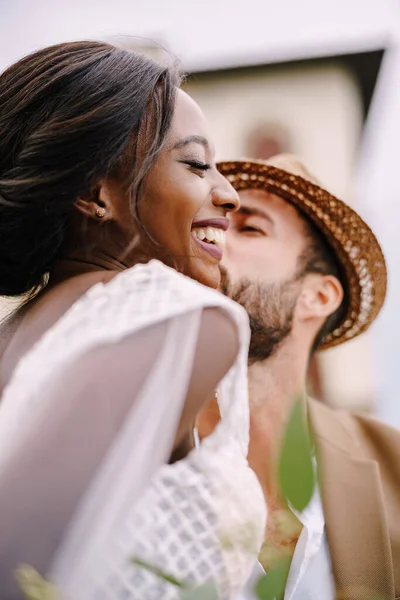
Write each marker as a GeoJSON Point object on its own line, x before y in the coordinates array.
{"type": "Point", "coordinates": [197, 165]}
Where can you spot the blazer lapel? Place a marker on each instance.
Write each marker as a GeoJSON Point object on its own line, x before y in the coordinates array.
{"type": "Point", "coordinates": [354, 511]}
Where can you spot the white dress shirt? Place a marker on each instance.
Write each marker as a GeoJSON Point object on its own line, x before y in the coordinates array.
{"type": "Point", "coordinates": [310, 575]}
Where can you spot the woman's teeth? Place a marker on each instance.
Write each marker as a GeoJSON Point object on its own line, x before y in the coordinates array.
{"type": "Point", "coordinates": [212, 235]}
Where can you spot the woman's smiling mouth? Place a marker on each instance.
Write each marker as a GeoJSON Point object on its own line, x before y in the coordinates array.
{"type": "Point", "coordinates": [210, 235]}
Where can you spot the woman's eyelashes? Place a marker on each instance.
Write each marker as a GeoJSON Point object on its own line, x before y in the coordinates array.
{"type": "Point", "coordinates": [197, 165]}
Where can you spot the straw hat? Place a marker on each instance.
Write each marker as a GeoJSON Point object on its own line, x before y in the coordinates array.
{"type": "Point", "coordinates": [355, 246]}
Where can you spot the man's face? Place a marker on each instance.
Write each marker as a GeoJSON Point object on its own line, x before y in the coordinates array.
{"type": "Point", "coordinates": [261, 267]}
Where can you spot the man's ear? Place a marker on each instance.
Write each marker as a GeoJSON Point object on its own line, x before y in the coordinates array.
{"type": "Point", "coordinates": [97, 204]}
{"type": "Point", "coordinates": [321, 295]}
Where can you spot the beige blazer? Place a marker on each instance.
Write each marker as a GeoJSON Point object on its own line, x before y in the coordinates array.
{"type": "Point", "coordinates": [359, 465]}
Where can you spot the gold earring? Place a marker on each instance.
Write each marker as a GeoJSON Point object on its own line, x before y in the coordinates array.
{"type": "Point", "coordinates": [100, 213]}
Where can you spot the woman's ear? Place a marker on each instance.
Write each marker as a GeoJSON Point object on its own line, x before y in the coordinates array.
{"type": "Point", "coordinates": [97, 204]}
{"type": "Point", "coordinates": [320, 297]}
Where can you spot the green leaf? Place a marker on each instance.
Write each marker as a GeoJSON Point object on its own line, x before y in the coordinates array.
{"type": "Point", "coordinates": [208, 591]}
{"type": "Point", "coordinates": [33, 586]}
{"type": "Point", "coordinates": [158, 572]}
{"type": "Point", "coordinates": [296, 469]}
{"type": "Point", "coordinates": [271, 586]}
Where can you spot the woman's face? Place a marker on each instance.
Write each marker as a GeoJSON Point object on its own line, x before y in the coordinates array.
{"type": "Point", "coordinates": [186, 200]}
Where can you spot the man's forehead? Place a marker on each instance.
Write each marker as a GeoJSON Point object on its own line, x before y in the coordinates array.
{"type": "Point", "coordinates": [262, 199]}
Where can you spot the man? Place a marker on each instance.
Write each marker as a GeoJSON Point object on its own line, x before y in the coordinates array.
{"type": "Point", "coordinates": [311, 275]}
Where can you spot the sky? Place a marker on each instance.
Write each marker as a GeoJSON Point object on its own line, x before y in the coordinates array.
{"type": "Point", "coordinates": [204, 34]}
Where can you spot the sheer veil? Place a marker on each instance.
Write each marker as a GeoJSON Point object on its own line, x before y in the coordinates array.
{"type": "Point", "coordinates": [135, 337]}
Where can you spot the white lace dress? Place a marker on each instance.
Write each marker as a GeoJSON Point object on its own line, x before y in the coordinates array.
{"type": "Point", "coordinates": [84, 488]}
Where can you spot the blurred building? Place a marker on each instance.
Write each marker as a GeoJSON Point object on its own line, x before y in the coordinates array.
{"type": "Point", "coordinates": [271, 77]}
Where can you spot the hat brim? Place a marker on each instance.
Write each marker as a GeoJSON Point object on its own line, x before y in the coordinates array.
{"type": "Point", "coordinates": [354, 244]}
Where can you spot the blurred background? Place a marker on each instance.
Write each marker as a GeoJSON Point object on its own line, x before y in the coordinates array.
{"type": "Point", "coordinates": [320, 79]}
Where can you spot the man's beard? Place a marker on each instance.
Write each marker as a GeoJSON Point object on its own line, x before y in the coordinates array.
{"type": "Point", "coordinates": [270, 308]}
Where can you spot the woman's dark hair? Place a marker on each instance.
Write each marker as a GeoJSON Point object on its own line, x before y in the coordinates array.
{"type": "Point", "coordinates": [69, 115]}
{"type": "Point", "coordinates": [318, 257]}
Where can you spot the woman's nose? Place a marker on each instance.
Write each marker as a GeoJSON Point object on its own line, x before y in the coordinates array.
{"type": "Point", "coordinates": [226, 196]}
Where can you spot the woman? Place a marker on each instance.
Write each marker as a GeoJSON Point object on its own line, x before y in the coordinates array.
{"type": "Point", "coordinates": [105, 163]}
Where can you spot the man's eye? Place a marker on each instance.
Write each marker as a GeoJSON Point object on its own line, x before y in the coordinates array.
{"type": "Point", "coordinates": [249, 229]}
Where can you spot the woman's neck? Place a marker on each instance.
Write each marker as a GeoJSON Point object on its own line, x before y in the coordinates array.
{"type": "Point", "coordinates": [66, 267]}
